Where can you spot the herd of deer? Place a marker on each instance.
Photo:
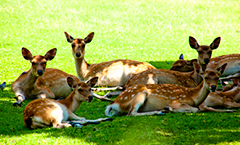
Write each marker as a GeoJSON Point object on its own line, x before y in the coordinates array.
{"type": "Point", "coordinates": [189, 86]}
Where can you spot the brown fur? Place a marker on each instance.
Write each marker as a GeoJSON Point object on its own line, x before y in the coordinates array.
{"type": "Point", "coordinates": [148, 99]}
{"type": "Point", "coordinates": [110, 73]}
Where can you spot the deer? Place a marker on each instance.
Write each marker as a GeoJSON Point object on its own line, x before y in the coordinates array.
{"type": "Point", "coordinates": [47, 112]}
{"type": "Point", "coordinates": [235, 78]}
{"type": "Point", "coordinates": [204, 51]}
{"type": "Point", "coordinates": [111, 73]}
{"type": "Point", "coordinates": [233, 61]}
{"type": "Point", "coordinates": [39, 81]}
{"type": "Point", "coordinates": [163, 76]}
{"type": "Point", "coordinates": [219, 99]}
{"type": "Point", "coordinates": [152, 99]}
{"type": "Point", "coordinates": [183, 65]}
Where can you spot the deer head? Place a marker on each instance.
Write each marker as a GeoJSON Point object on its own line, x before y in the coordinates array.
{"type": "Point", "coordinates": [78, 44]}
{"type": "Point", "coordinates": [38, 62]}
{"type": "Point", "coordinates": [204, 51]}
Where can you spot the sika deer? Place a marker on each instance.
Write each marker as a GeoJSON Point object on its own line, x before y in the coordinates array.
{"type": "Point", "coordinates": [220, 99]}
{"type": "Point", "coordinates": [183, 65]}
{"type": "Point", "coordinates": [149, 99]}
{"type": "Point", "coordinates": [39, 81]}
{"type": "Point", "coordinates": [47, 112]}
{"type": "Point", "coordinates": [162, 76]}
{"type": "Point", "coordinates": [110, 73]}
{"type": "Point", "coordinates": [204, 51]}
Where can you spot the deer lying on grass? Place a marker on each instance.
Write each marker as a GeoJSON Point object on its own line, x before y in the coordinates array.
{"type": "Point", "coordinates": [162, 76]}
{"type": "Point", "coordinates": [235, 83]}
{"type": "Point", "coordinates": [233, 61]}
{"type": "Point", "coordinates": [39, 82]}
{"type": "Point", "coordinates": [183, 65]}
{"type": "Point", "coordinates": [47, 112]}
{"type": "Point", "coordinates": [204, 51]}
{"type": "Point", "coordinates": [149, 99]}
{"type": "Point", "coordinates": [111, 73]}
{"type": "Point", "coordinates": [220, 99]}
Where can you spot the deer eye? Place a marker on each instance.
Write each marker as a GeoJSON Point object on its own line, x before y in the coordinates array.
{"type": "Point", "coordinates": [33, 63]}
{"type": "Point", "coordinates": [80, 90]}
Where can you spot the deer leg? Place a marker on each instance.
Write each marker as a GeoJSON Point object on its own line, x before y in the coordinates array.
{"type": "Point", "coordinates": [183, 107]}
{"type": "Point", "coordinates": [102, 98]}
{"type": "Point", "coordinates": [232, 105]}
{"type": "Point", "coordinates": [138, 102]}
{"type": "Point", "coordinates": [206, 108]}
{"type": "Point", "coordinates": [110, 94]}
{"type": "Point", "coordinates": [19, 99]}
{"type": "Point", "coordinates": [106, 89]}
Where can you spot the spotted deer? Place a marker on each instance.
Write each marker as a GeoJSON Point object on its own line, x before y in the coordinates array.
{"type": "Point", "coordinates": [48, 112]}
{"type": "Point", "coordinates": [235, 81]}
{"type": "Point", "coordinates": [161, 76]}
{"type": "Point", "coordinates": [233, 61]}
{"type": "Point", "coordinates": [110, 73]}
{"type": "Point", "coordinates": [39, 81]}
{"type": "Point", "coordinates": [220, 99]}
{"type": "Point", "coordinates": [183, 65]}
{"type": "Point", "coordinates": [150, 99]}
{"type": "Point", "coordinates": [204, 51]}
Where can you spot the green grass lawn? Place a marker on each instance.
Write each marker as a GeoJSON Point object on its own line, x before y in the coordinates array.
{"type": "Point", "coordinates": [154, 31]}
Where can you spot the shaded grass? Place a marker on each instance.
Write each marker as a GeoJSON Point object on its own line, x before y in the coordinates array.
{"type": "Point", "coordinates": [153, 31]}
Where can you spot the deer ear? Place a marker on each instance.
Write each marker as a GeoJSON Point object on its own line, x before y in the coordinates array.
{"type": "Point", "coordinates": [89, 38]}
{"type": "Point", "coordinates": [191, 62]}
{"type": "Point", "coordinates": [215, 43]}
{"type": "Point", "coordinates": [71, 82]}
{"type": "Point", "coordinates": [92, 82]}
{"type": "Point", "coordinates": [221, 68]}
{"type": "Point", "coordinates": [26, 54]}
{"type": "Point", "coordinates": [181, 56]}
{"type": "Point", "coordinates": [69, 37]}
{"type": "Point", "coordinates": [193, 42]}
{"type": "Point", "coordinates": [50, 54]}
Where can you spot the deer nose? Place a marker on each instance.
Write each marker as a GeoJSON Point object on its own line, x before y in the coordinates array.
{"type": "Point", "coordinates": [40, 72]}
{"type": "Point", "coordinates": [90, 98]}
{"type": "Point", "coordinates": [206, 60]}
{"type": "Point", "coordinates": [78, 54]}
{"type": "Point", "coordinates": [213, 88]}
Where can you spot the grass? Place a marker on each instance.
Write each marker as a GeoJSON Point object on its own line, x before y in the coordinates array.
{"type": "Point", "coordinates": [153, 31]}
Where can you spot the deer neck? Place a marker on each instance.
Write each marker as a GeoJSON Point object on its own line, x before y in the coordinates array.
{"type": "Point", "coordinates": [82, 68]}
{"type": "Point", "coordinates": [201, 92]}
{"type": "Point", "coordinates": [28, 80]}
{"type": "Point", "coordinates": [71, 103]}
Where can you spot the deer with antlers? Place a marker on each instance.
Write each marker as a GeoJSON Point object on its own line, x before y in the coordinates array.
{"type": "Point", "coordinates": [150, 99]}
{"type": "Point", "coordinates": [48, 112]}
{"type": "Point", "coordinates": [39, 81]}
{"type": "Point", "coordinates": [111, 73]}
{"type": "Point", "coordinates": [183, 65]}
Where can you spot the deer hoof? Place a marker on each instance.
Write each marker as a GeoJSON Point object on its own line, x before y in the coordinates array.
{"type": "Point", "coordinates": [17, 104]}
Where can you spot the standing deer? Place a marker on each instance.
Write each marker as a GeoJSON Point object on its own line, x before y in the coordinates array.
{"type": "Point", "coordinates": [183, 65]}
{"type": "Point", "coordinates": [110, 73]}
{"type": "Point", "coordinates": [149, 99]}
{"type": "Point", "coordinates": [39, 81]}
{"type": "Point", "coordinates": [48, 112]}
{"type": "Point", "coordinates": [204, 51]}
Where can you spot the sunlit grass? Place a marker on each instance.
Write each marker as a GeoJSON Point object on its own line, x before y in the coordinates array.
{"type": "Point", "coordinates": [154, 31]}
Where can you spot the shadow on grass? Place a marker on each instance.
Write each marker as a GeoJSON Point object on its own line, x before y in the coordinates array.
{"type": "Point", "coordinates": [172, 128]}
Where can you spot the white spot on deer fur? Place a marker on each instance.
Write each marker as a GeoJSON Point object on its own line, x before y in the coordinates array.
{"type": "Point", "coordinates": [133, 95]}
{"type": "Point", "coordinates": [163, 90]}
{"type": "Point", "coordinates": [184, 96]}
{"type": "Point", "coordinates": [125, 98]}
